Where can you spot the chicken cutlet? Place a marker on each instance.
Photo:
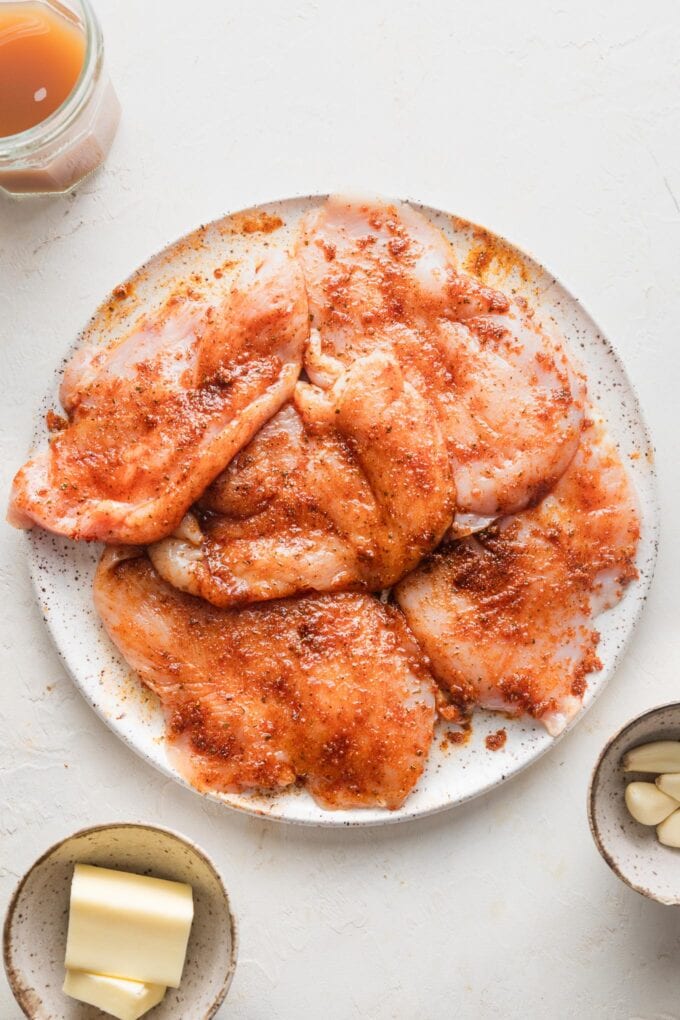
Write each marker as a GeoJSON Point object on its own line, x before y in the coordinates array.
{"type": "Point", "coordinates": [506, 616]}
{"type": "Point", "coordinates": [433, 407]}
{"type": "Point", "coordinates": [346, 488]}
{"type": "Point", "coordinates": [510, 405]}
{"type": "Point", "coordinates": [154, 418]}
{"type": "Point", "coordinates": [328, 690]}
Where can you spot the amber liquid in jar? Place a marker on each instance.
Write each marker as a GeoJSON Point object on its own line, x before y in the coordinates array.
{"type": "Point", "coordinates": [41, 57]}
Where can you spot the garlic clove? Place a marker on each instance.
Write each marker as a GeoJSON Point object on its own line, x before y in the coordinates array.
{"type": "Point", "coordinates": [670, 784]}
{"type": "Point", "coordinates": [660, 756]}
{"type": "Point", "coordinates": [649, 805]}
{"type": "Point", "coordinates": [668, 831]}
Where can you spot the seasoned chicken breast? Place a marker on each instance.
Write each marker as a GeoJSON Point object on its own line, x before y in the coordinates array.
{"type": "Point", "coordinates": [345, 488]}
{"type": "Point", "coordinates": [510, 405]}
{"type": "Point", "coordinates": [355, 416]}
{"type": "Point", "coordinates": [330, 690]}
{"type": "Point", "coordinates": [506, 617]}
{"type": "Point", "coordinates": [155, 417]}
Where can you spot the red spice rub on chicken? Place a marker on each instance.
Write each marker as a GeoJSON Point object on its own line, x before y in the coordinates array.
{"type": "Point", "coordinates": [328, 690]}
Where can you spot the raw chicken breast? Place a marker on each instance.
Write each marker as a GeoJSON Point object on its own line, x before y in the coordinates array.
{"type": "Point", "coordinates": [154, 418]}
{"type": "Point", "coordinates": [328, 690]}
{"type": "Point", "coordinates": [344, 488]}
{"type": "Point", "coordinates": [506, 617]}
{"type": "Point", "coordinates": [510, 405]}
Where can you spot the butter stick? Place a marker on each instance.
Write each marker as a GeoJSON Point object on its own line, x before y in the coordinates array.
{"type": "Point", "coordinates": [126, 1000]}
{"type": "Point", "coordinates": [128, 926]}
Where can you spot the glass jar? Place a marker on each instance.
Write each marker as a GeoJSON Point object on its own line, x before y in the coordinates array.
{"type": "Point", "coordinates": [56, 154]}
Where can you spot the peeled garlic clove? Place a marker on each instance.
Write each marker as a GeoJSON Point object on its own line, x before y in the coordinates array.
{"type": "Point", "coordinates": [661, 756]}
{"type": "Point", "coordinates": [668, 831]}
{"type": "Point", "coordinates": [670, 784]}
{"type": "Point", "coordinates": [649, 805]}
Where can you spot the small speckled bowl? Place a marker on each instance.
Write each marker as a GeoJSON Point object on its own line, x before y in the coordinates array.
{"type": "Point", "coordinates": [632, 850]}
{"type": "Point", "coordinates": [37, 920]}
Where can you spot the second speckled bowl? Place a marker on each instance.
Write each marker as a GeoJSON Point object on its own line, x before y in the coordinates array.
{"type": "Point", "coordinates": [632, 850]}
{"type": "Point", "coordinates": [37, 920]}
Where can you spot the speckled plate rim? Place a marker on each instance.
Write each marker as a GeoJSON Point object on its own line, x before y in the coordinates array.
{"type": "Point", "coordinates": [593, 793]}
{"type": "Point", "coordinates": [10, 969]}
{"type": "Point", "coordinates": [277, 807]}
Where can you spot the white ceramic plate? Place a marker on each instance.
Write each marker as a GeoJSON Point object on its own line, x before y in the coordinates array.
{"type": "Point", "coordinates": [62, 570]}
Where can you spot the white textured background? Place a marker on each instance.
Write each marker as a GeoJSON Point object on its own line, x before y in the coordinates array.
{"type": "Point", "coordinates": [557, 124]}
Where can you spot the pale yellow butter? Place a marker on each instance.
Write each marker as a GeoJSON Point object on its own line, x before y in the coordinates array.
{"type": "Point", "coordinates": [128, 926]}
{"type": "Point", "coordinates": [126, 1000]}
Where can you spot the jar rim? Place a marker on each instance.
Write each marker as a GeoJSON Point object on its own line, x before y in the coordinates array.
{"type": "Point", "coordinates": [24, 142]}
